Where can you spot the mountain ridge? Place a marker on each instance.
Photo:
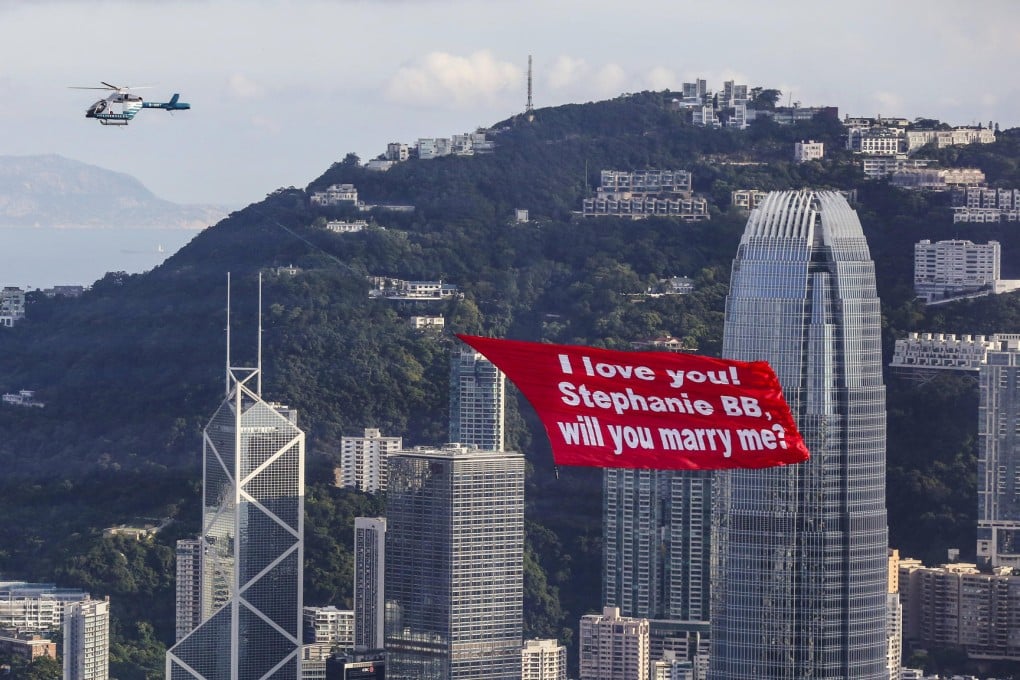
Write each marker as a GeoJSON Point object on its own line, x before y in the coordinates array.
{"type": "Point", "coordinates": [50, 190]}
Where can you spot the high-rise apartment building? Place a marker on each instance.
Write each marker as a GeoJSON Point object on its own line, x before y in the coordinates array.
{"type": "Point", "coordinates": [998, 536]}
{"type": "Point", "coordinates": [369, 580]}
{"type": "Point", "coordinates": [87, 640]}
{"type": "Point", "coordinates": [800, 562]}
{"type": "Point", "coordinates": [252, 541]}
{"type": "Point", "coordinates": [543, 660]}
{"type": "Point", "coordinates": [454, 564]}
{"type": "Point", "coordinates": [363, 460]}
{"type": "Point", "coordinates": [613, 647]}
{"type": "Point", "coordinates": [655, 540]}
{"type": "Point", "coordinates": [477, 401]}
{"type": "Point", "coordinates": [189, 586]}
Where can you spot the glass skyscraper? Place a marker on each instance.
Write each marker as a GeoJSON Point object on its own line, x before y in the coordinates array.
{"type": "Point", "coordinates": [454, 564]}
{"type": "Point", "coordinates": [477, 401]}
{"type": "Point", "coordinates": [252, 547]}
{"type": "Point", "coordinates": [800, 561]}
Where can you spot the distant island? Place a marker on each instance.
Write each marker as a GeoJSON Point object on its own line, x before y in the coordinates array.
{"type": "Point", "coordinates": [53, 191]}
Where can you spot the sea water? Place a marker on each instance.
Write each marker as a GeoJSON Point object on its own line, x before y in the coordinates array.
{"type": "Point", "coordinates": [42, 257]}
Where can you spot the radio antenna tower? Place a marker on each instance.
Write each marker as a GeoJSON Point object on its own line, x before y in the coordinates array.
{"type": "Point", "coordinates": [529, 111]}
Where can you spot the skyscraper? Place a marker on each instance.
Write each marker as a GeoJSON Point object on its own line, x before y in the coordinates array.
{"type": "Point", "coordinates": [477, 401]}
{"type": "Point", "coordinates": [656, 534]}
{"type": "Point", "coordinates": [189, 586]}
{"type": "Point", "coordinates": [655, 543]}
{"type": "Point", "coordinates": [87, 640]}
{"type": "Point", "coordinates": [252, 544]}
{"type": "Point", "coordinates": [369, 580]}
{"type": "Point", "coordinates": [454, 564]}
{"type": "Point", "coordinates": [800, 552]}
{"type": "Point", "coordinates": [998, 531]}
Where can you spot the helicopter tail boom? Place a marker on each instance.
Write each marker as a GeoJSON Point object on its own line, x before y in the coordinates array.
{"type": "Point", "coordinates": [172, 105]}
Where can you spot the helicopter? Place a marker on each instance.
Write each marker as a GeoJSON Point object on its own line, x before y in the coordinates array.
{"type": "Point", "coordinates": [122, 105]}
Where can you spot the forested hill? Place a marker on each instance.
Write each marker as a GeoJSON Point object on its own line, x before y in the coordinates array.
{"type": "Point", "coordinates": [131, 371]}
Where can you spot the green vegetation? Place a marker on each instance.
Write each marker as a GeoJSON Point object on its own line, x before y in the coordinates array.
{"type": "Point", "coordinates": [131, 371]}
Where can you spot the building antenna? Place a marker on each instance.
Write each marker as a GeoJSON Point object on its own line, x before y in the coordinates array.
{"type": "Point", "coordinates": [228, 333]}
{"type": "Point", "coordinates": [258, 363]}
{"type": "Point", "coordinates": [530, 108]}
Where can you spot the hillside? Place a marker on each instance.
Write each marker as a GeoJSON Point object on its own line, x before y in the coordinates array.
{"type": "Point", "coordinates": [52, 191]}
{"type": "Point", "coordinates": [132, 370]}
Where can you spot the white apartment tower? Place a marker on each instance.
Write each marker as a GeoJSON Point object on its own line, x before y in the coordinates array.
{"type": "Point", "coordinates": [947, 268]}
{"type": "Point", "coordinates": [369, 589]}
{"type": "Point", "coordinates": [87, 640]}
{"type": "Point", "coordinates": [189, 585]}
{"type": "Point", "coordinates": [363, 460]}
{"type": "Point", "coordinates": [477, 401]}
{"type": "Point", "coordinates": [613, 647]}
{"type": "Point", "coordinates": [543, 660]}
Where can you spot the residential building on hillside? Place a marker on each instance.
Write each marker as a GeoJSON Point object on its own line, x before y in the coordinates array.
{"type": "Point", "coordinates": [252, 540]}
{"type": "Point", "coordinates": [981, 204]}
{"type": "Point", "coordinates": [28, 647]}
{"type": "Point", "coordinates": [936, 179]}
{"type": "Point", "coordinates": [947, 269]}
{"type": "Point", "coordinates": [946, 351]}
{"type": "Point", "coordinates": [363, 460]}
{"type": "Point", "coordinates": [369, 582]}
{"type": "Point", "coordinates": [397, 151]}
{"type": "Point", "coordinates": [875, 141]}
{"type": "Point", "coordinates": [398, 289]}
{"type": "Point", "coordinates": [329, 625]}
{"type": "Point", "coordinates": [957, 136]}
{"type": "Point", "coordinates": [454, 564]}
{"type": "Point", "coordinates": [422, 322]}
{"type": "Point", "coordinates": [12, 305]}
{"type": "Point", "coordinates": [802, 297]}
{"type": "Point", "coordinates": [22, 398]}
{"type": "Point", "coordinates": [35, 607]}
{"type": "Point", "coordinates": [613, 647]}
{"type": "Point", "coordinates": [86, 648]}
{"type": "Point", "coordinates": [543, 660]}
{"type": "Point", "coordinates": [878, 166]}
{"type": "Point", "coordinates": [808, 151]}
{"type": "Point", "coordinates": [346, 226]}
{"type": "Point", "coordinates": [477, 401]}
{"type": "Point", "coordinates": [747, 199]}
{"type": "Point", "coordinates": [335, 194]}
{"type": "Point", "coordinates": [642, 193]}
{"type": "Point", "coordinates": [189, 586]}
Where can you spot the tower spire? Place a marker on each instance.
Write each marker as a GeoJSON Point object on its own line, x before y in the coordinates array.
{"type": "Point", "coordinates": [228, 335]}
{"type": "Point", "coordinates": [529, 110]}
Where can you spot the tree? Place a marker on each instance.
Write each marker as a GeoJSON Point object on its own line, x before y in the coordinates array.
{"type": "Point", "coordinates": [764, 99]}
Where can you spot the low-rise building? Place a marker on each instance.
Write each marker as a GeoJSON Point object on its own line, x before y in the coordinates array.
{"type": "Point", "coordinates": [808, 151]}
{"type": "Point", "coordinates": [878, 166]}
{"type": "Point", "coordinates": [22, 398]}
{"type": "Point", "coordinates": [346, 226]}
{"type": "Point", "coordinates": [335, 194]}
{"type": "Point", "coordinates": [543, 660]}
{"type": "Point", "coordinates": [329, 625]}
{"type": "Point", "coordinates": [936, 179]}
{"type": "Point", "coordinates": [875, 141]}
{"type": "Point", "coordinates": [956, 136]}
{"type": "Point", "coordinates": [437, 322]}
{"type": "Point", "coordinates": [29, 647]}
{"type": "Point", "coordinates": [747, 199]}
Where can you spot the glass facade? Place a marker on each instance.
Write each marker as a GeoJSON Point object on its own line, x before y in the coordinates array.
{"type": "Point", "coordinates": [998, 531]}
{"type": "Point", "coordinates": [454, 564]}
{"type": "Point", "coordinates": [655, 543]}
{"type": "Point", "coordinates": [800, 552]}
{"type": "Point", "coordinates": [252, 548]}
{"type": "Point", "coordinates": [477, 401]}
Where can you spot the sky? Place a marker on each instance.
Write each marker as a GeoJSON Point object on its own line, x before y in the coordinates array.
{"type": "Point", "coordinates": [280, 90]}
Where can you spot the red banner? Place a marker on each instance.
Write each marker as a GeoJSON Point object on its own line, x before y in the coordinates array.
{"type": "Point", "coordinates": [656, 410]}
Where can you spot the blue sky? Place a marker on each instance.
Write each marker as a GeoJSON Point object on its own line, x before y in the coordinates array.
{"type": "Point", "coordinates": [280, 90]}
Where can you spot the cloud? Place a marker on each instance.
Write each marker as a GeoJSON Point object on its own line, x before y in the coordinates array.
{"type": "Point", "coordinates": [565, 72]}
{"type": "Point", "coordinates": [661, 78]}
{"type": "Point", "coordinates": [243, 87]}
{"type": "Point", "coordinates": [440, 77]}
{"type": "Point", "coordinates": [610, 79]}
{"type": "Point", "coordinates": [888, 103]}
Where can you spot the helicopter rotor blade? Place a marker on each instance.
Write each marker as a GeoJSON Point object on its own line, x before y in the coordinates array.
{"type": "Point", "coordinates": [112, 87]}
